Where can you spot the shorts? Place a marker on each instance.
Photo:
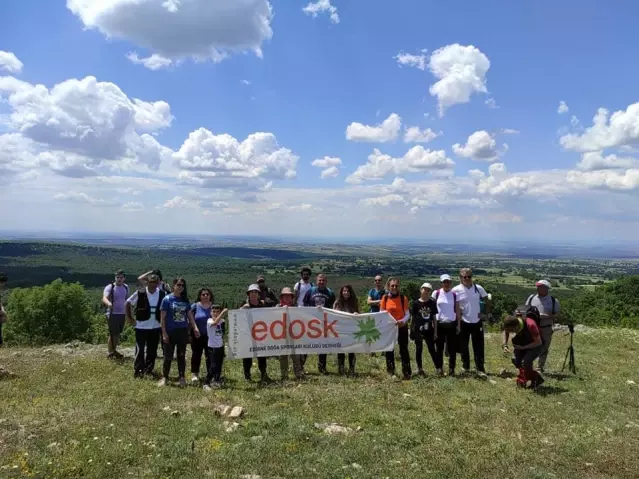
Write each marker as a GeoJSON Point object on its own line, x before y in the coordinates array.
{"type": "Point", "coordinates": [116, 324]}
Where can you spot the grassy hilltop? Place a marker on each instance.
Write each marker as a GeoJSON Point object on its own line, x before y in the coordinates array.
{"type": "Point", "coordinates": [71, 413]}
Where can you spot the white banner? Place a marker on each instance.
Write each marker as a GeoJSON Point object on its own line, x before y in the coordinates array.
{"type": "Point", "coordinates": [279, 331]}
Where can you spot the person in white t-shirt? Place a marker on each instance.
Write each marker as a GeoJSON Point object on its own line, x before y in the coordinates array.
{"type": "Point", "coordinates": [215, 358]}
{"type": "Point", "coordinates": [448, 324]}
{"type": "Point", "coordinates": [470, 295]}
{"type": "Point", "coordinates": [146, 302]}
{"type": "Point", "coordinates": [302, 286]}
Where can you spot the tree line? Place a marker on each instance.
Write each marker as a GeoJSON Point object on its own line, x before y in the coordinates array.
{"type": "Point", "coordinates": [65, 311]}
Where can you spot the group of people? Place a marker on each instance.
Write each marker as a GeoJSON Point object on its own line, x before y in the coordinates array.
{"type": "Point", "coordinates": [448, 320]}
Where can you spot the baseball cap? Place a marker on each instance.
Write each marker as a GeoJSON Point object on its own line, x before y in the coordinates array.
{"type": "Point", "coordinates": [427, 285]}
{"type": "Point", "coordinates": [445, 277]}
{"type": "Point", "coordinates": [253, 287]}
{"type": "Point", "coordinates": [286, 291]}
{"type": "Point", "coordinates": [543, 282]}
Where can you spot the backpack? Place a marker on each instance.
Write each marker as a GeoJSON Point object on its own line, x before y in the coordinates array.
{"type": "Point", "coordinates": [126, 286]}
{"type": "Point", "coordinates": [532, 296]}
{"type": "Point", "coordinates": [298, 286]}
{"type": "Point", "coordinates": [401, 299]}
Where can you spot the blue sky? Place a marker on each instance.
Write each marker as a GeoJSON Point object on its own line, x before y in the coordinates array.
{"type": "Point", "coordinates": [303, 79]}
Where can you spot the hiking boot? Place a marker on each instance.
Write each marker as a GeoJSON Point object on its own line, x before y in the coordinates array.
{"type": "Point", "coordinates": [207, 388]}
{"type": "Point", "coordinates": [342, 371]}
{"type": "Point", "coordinates": [182, 382]}
{"type": "Point", "coordinates": [194, 379]}
{"type": "Point", "coordinates": [420, 372]}
{"type": "Point", "coordinates": [216, 385]}
{"type": "Point", "coordinates": [407, 376]}
{"type": "Point", "coordinates": [111, 356]}
{"type": "Point", "coordinates": [351, 372]}
{"type": "Point", "coordinates": [117, 355]}
{"type": "Point", "coordinates": [482, 375]}
{"type": "Point", "coordinates": [162, 383]}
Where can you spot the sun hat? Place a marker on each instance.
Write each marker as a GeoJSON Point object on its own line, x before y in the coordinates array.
{"type": "Point", "coordinates": [426, 285]}
{"type": "Point", "coordinates": [253, 287]}
{"type": "Point", "coordinates": [445, 277]}
{"type": "Point", "coordinates": [286, 291]}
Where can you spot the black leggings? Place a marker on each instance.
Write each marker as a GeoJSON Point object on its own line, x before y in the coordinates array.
{"type": "Point", "coordinates": [146, 349]}
{"type": "Point", "coordinates": [248, 364]}
{"type": "Point", "coordinates": [475, 333]}
{"type": "Point", "coordinates": [199, 346]}
{"type": "Point", "coordinates": [178, 338]}
{"type": "Point", "coordinates": [341, 359]}
{"type": "Point", "coordinates": [404, 354]}
{"type": "Point", "coordinates": [447, 334]}
{"type": "Point", "coordinates": [429, 339]}
{"type": "Point", "coordinates": [214, 362]}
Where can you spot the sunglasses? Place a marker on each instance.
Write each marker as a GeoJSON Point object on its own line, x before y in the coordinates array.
{"type": "Point", "coordinates": [467, 277]}
{"type": "Point", "coordinates": [393, 286]}
{"type": "Point", "coordinates": [205, 294]}
{"type": "Point", "coordinates": [378, 280]}
{"type": "Point", "coordinates": [181, 285]}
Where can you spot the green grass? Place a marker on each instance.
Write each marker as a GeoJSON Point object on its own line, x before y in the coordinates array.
{"type": "Point", "coordinates": [79, 415]}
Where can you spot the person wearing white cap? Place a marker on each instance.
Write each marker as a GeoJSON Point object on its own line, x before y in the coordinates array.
{"type": "Point", "coordinates": [424, 313]}
{"type": "Point", "coordinates": [548, 308]}
{"type": "Point", "coordinates": [470, 296]}
{"type": "Point", "coordinates": [254, 301]}
{"type": "Point", "coordinates": [448, 325]}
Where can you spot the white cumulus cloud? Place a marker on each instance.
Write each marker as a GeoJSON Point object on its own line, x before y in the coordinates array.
{"type": "Point", "coordinates": [622, 128]}
{"type": "Point", "coordinates": [594, 160]}
{"type": "Point", "coordinates": [562, 108]}
{"type": "Point", "coordinates": [417, 159]}
{"type": "Point", "coordinates": [330, 166]}
{"type": "Point", "coordinates": [322, 6]}
{"type": "Point", "coordinates": [81, 197]}
{"type": "Point", "coordinates": [153, 62]}
{"type": "Point", "coordinates": [386, 131]}
{"type": "Point", "coordinates": [178, 29]}
{"type": "Point", "coordinates": [461, 71]}
{"type": "Point", "coordinates": [410, 60]}
{"type": "Point", "coordinates": [88, 118]}
{"type": "Point", "coordinates": [221, 161]}
{"type": "Point", "coordinates": [414, 135]}
{"type": "Point", "coordinates": [481, 145]}
{"type": "Point", "coordinates": [10, 62]}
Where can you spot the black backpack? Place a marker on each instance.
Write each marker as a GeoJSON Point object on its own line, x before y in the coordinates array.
{"type": "Point", "coordinates": [532, 296]}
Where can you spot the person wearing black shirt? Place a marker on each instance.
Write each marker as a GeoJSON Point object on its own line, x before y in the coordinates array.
{"type": "Point", "coordinates": [423, 314]}
{"type": "Point", "coordinates": [267, 295]}
{"type": "Point", "coordinates": [323, 297]}
{"type": "Point", "coordinates": [253, 301]}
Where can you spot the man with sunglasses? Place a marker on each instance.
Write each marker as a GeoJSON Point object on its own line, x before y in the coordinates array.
{"type": "Point", "coordinates": [470, 296]}
{"type": "Point", "coordinates": [376, 294]}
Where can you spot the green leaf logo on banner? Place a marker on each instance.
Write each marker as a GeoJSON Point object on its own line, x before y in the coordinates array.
{"type": "Point", "coordinates": [367, 330]}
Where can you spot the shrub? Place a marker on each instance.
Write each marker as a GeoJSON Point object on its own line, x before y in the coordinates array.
{"type": "Point", "coordinates": [55, 313]}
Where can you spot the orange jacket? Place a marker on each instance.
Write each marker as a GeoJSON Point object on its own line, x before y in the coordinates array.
{"type": "Point", "coordinates": [393, 304]}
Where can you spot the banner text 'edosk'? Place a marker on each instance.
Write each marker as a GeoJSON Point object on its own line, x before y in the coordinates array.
{"type": "Point", "coordinates": [278, 331]}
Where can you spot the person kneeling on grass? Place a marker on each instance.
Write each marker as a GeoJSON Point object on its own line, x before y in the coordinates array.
{"type": "Point", "coordinates": [175, 317]}
{"type": "Point", "coordinates": [215, 354]}
{"type": "Point", "coordinates": [527, 345]}
{"type": "Point", "coordinates": [287, 299]}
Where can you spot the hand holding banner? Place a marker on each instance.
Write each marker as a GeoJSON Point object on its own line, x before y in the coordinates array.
{"type": "Point", "coordinates": [278, 331]}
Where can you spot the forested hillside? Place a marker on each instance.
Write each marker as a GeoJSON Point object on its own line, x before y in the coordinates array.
{"type": "Point", "coordinates": [55, 289]}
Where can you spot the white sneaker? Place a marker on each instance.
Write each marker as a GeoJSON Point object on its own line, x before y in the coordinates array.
{"type": "Point", "coordinates": [207, 388]}
{"type": "Point", "coordinates": [162, 383]}
{"type": "Point", "coordinates": [194, 379]}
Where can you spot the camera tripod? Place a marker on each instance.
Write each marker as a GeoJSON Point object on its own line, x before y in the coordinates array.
{"type": "Point", "coordinates": [570, 355]}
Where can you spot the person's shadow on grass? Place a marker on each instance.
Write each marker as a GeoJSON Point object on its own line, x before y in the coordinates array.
{"type": "Point", "coordinates": [550, 390]}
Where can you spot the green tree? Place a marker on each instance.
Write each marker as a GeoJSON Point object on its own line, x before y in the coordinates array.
{"type": "Point", "coordinates": [55, 313]}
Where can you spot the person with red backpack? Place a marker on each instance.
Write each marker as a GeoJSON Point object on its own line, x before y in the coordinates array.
{"type": "Point", "coordinates": [527, 344]}
{"type": "Point", "coordinates": [397, 305]}
{"type": "Point", "coordinates": [447, 326]}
